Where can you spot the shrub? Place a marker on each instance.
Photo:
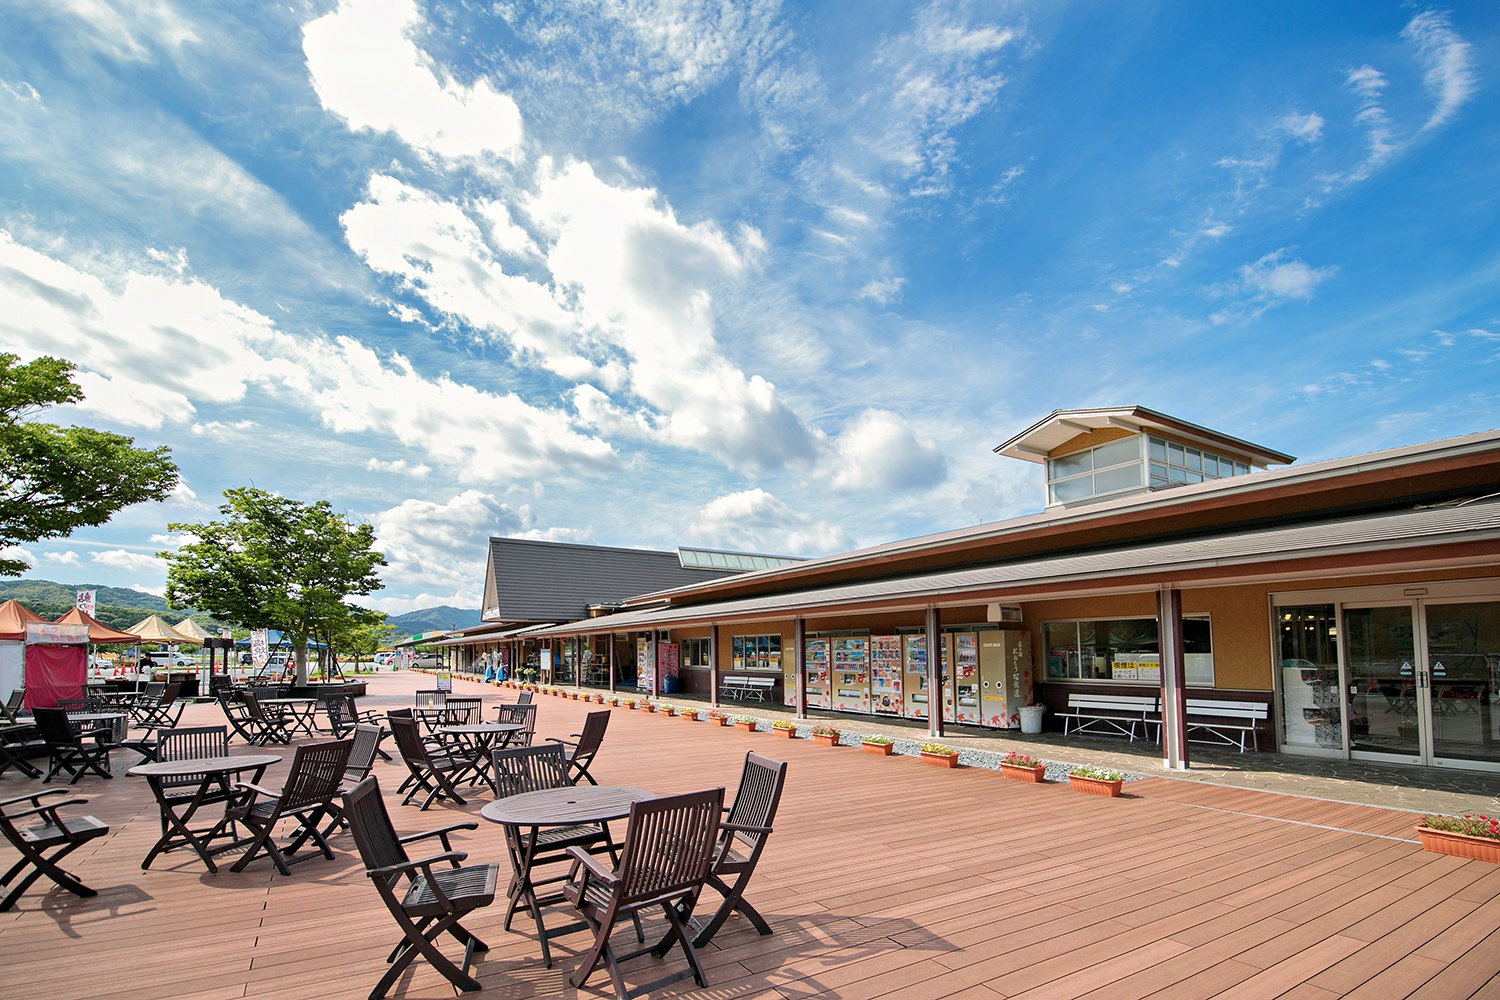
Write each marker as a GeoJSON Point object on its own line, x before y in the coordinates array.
{"type": "Point", "coordinates": [825, 731]}
{"type": "Point", "coordinates": [750, 719]}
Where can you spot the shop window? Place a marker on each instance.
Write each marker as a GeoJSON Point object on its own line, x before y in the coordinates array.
{"type": "Point", "coordinates": [756, 652]}
{"type": "Point", "coordinates": [1171, 462]}
{"type": "Point", "coordinates": [694, 652]}
{"type": "Point", "coordinates": [1310, 704]}
{"type": "Point", "coordinates": [1124, 650]}
{"type": "Point", "coordinates": [1109, 468]}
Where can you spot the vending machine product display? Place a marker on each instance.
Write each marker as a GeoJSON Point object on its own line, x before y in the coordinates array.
{"type": "Point", "coordinates": [885, 674]}
{"type": "Point", "coordinates": [1005, 674]}
{"type": "Point", "coordinates": [965, 660]}
{"type": "Point", "coordinates": [851, 675]}
{"type": "Point", "coordinates": [817, 674]}
{"type": "Point", "coordinates": [915, 669]}
{"type": "Point", "coordinates": [789, 679]}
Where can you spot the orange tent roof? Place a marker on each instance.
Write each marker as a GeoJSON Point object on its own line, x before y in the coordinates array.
{"type": "Point", "coordinates": [98, 631]}
{"type": "Point", "coordinates": [13, 619]}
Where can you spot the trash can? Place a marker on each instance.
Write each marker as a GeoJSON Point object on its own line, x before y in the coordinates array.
{"type": "Point", "coordinates": [1031, 719]}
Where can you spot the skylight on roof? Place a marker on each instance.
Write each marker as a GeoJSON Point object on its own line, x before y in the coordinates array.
{"type": "Point", "coordinates": [742, 562]}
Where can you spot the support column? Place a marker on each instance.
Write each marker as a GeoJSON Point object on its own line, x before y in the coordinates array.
{"type": "Point", "coordinates": [578, 661]}
{"type": "Point", "coordinates": [1173, 679]}
{"type": "Point", "coordinates": [713, 666]}
{"type": "Point", "coordinates": [934, 674]}
{"type": "Point", "coordinates": [611, 663]}
{"type": "Point", "coordinates": [799, 664]}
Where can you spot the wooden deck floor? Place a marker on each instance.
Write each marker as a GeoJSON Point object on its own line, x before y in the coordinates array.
{"type": "Point", "coordinates": [886, 878]}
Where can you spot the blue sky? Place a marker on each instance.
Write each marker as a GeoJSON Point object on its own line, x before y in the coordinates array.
{"type": "Point", "coordinates": [764, 276]}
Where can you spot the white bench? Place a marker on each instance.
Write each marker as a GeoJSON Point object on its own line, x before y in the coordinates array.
{"type": "Point", "coordinates": [1221, 720]}
{"type": "Point", "coordinates": [732, 686]}
{"type": "Point", "coordinates": [1117, 713]}
{"type": "Point", "coordinates": [759, 687]}
{"type": "Point", "coordinates": [738, 687]}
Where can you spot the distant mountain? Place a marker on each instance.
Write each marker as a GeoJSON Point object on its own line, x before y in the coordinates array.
{"type": "Point", "coordinates": [439, 619]}
{"type": "Point", "coordinates": [114, 606]}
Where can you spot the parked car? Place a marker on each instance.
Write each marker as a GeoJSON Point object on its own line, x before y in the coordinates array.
{"type": "Point", "coordinates": [386, 659]}
{"type": "Point", "coordinates": [426, 661]}
{"type": "Point", "coordinates": [163, 660]}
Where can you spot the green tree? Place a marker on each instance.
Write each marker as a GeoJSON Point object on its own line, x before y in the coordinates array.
{"type": "Point", "coordinates": [362, 638]}
{"type": "Point", "coordinates": [277, 563]}
{"type": "Point", "coordinates": [54, 480]}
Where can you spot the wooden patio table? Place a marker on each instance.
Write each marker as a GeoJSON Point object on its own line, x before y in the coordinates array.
{"type": "Point", "coordinates": [297, 713]}
{"type": "Point", "coordinates": [209, 771]}
{"type": "Point", "coordinates": [472, 744]}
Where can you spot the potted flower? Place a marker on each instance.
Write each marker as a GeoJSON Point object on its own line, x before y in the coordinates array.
{"type": "Point", "coordinates": [746, 723]}
{"type": "Point", "coordinates": [667, 710]}
{"type": "Point", "coordinates": [690, 714]}
{"type": "Point", "coordinates": [1022, 767]}
{"type": "Point", "coordinates": [1476, 837]}
{"type": "Point", "coordinates": [598, 699]}
{"type": "Point", "coordinates": [1096, 780]}
{"type": "Point", "coordinates": [629, 703]}
{"type": "Point", "coordinates": [785, 728]}
{"type": "Point", "coordinates": [614, 702]}
{"type": "Point", "coordinates": [879, 745]}
{"type": "Point", "coordinates": [717, 718]}
{"type": "Point", "coordinates": [938, 754]}
{"type": "Point", "coordinates": [647, 706]}
{"type": "Point", "coordinates": [825, 736]}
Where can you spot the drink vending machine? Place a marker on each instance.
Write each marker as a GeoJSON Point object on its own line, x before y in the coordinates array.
{"type": "Point", "coordinates": [1005, 677]}
{"type": "Point", "coordinates": [817, 674]}
{"type": "Point", "coordinates": [965, 660]}
{"type": "Point", "coordinates": [851, 675]}
{"type": "Point", "coordinates": [885, 674]}
{"type": "Point", "coordinates": [914, 664]}
{"type": "Point", "coordinates": [789, 678]}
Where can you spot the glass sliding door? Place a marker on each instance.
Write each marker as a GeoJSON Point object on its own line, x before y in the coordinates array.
{"type": "Point", "coordinates": [1463, 661]}
{"type": "Point", "coordinates": [1386, 705]}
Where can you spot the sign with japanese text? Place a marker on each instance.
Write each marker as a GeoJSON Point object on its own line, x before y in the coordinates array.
{"type": "Point", "coordinates": [84, 601]}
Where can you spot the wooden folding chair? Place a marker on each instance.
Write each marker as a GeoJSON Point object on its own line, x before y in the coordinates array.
{"type": "Point", "coordinates": [361, 763]}
{"type": "Point", "coordinates": [317, 770]}
{"type": "Point", "coordinates": [68, 750]}
{"type": "Point", "coordinates": [13, 705]}
{"type": "Point", "coordinates": [668, 849]}
{"type": "Point", "coordinates": [16, 746]}
{"type": "Point", "coordinates": [159, 714]}
{"type": "Point", "coordinates": [435, 900]}
{"type": "Point", "coordinates": [35, 841]}
{"type": "Point", "coordinates": [430, 770]}
{"type": "Point", "coordinates": [582, 749]}
{"type": "Point", "coordinates": [742, 838]}
{"type": "Point", "coordinates": [264, 726]}
{"type": "Point", "coordinates": [524, 715]}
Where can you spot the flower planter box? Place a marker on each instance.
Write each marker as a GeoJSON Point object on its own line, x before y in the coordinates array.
{"type": "Point", "coordinates": [689, 715]}
{"type": "Point", "coordinates": [669, 712]}
{"type": "Point", "coordinates": [648, 708]}
{"type": "Point", "coordinates": [1460, 845]}
{"type": "Point", "coordinates": [825, 741]}
{"type": "Point", "coordinates": [715, 720]}
{"type": "Point", "coordinates": [940, 759]}
{"type": "Point", "coordinates": [1095, 786]}
{"type": "Point", "coordinates": [878, 749]}
{"type": "Point", "coordinates": [786, 734]}
{"type": "Point", "coordinates": [748, 727]}
{"type": "Point", "coordinates": [1033, 774]}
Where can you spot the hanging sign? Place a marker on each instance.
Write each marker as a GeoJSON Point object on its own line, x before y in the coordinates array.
{"type": "Point", "coordinates": [84, 601]}
{"type": "Point", "coordinates": [224, 634]}
{"type": "Point", "coordinates": [260, 647]}
{"type": "Point", "coordinates": [52, 633]}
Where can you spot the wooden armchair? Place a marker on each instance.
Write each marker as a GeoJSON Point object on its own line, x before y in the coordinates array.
{"type": "Point", "coordinates": [523, 714]}
{"type": "Point", "coordinates": [12, 705]}
{"type": "Point", "coordinates": [742, 838]}
{"type": "Point", "coordinates": [317, 770]}
{"type": "Point", "coordinates": [580, 754]}
{"type": "Point", "coordinates": [264, 726]}
{"type": "Point", "coordinates": [54, 831]}
{"type": "Point", "coordinates": [361, 763]}
{"type": "Point", "coordinates": [430, 770]}
{"type": "Point", "coordinates": [157, 713]}
{"type": "Point", "coordinates": [668, 849]}
{"type": "Point", "coordinates": [436, 898]}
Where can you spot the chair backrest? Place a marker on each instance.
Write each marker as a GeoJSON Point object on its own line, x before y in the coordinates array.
{"type": "Point", "coordinates": [52, 723]}
{"type": "Point", "coordinates": [193, 743]}
{"type": "Point", "coordinates": [408, 738]}
{"type": "Point", "coordinates": [432, 699]}
{"type": "Point", "coordinates": [317, 770]}
{"type": "Point", "coordinates": [339, 719]}
{"type": "Point", "coordinates": [154, 690]}
{"type": "Point", "coordinates": [169, 694]}
{"type": "Point", "coordinates": [252, 706]}
{"type": "Point", "coordinates": [524, 698]}
{"type": "Point", "coordinates": [529, 769]}
{"type": "Point", "coordinates": [13, 704]}
{"type": "Point", "coordinates": [362, 756]}
{"type": "Point", "coordinates": [669, 844]}
{"type": "Point", "coordinates": [470, 707]}
{"type": "Point", "coordinates": [759, 794]}
{"type": "Point", "coordinates": [375, 838]}
{"type": "Point", "coordinates": [523, 714]}
{"type": "Point", "coordinates": [594, 726]}
{"type": "Point", "coordinates": [73, 704]}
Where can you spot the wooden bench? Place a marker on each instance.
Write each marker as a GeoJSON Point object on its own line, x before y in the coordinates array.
{"type": "Point", "coordinates": [1116, 713]}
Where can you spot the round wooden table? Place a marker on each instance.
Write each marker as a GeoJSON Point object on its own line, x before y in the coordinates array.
{"type": "Point", "coordinates": [472, 743]}
{"type": "Point", "coordinates": [208, 771]}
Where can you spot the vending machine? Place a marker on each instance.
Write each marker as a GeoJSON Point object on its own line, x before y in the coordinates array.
{"type": "Point", "coordinates": [915, 669]}
{"type": "Point", "coordinates": [851, 675]}
{"type": "Point", "coordinates": [789, 678]}
{"type": "Point", "coordinates": [1005, 674]}
{"type": "Point", "coordinates": [945, 671]}
{"type": "Point", "coordinates": [965, 660]}
{"type": "Point", "coordinates": [885, 674]}
{"type": "Point", "coordinates": [817, 674]}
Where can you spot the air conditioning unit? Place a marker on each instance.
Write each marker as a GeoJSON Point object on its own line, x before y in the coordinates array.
{"type": "Point", "coordinates": [1009, 614]}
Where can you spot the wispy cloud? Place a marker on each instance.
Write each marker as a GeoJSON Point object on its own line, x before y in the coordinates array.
{"type": "Point", "coordinates": [1447, 59]}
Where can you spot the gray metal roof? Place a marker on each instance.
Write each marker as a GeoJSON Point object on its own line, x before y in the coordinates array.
{"type": "Point", "coordinates": [527, 580]}
{"type": "Point", "coordinates": [1384, 532]}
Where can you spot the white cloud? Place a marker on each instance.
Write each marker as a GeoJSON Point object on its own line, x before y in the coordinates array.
{"type": "Point", "coordinates": [1306, 128]}
{"type": "Point", "coordinates": [135, 562]}
{"type": "Point", "coordinates": [1277, 279]}
{"type": "Point", "coordinates": [15, 553]}
{"type": "Point", "coordinates": [399, 466]}
{"type": "Point", "coordinates": [222, 350]}
{"type": "Point", "coordinates": [884, 292]}
{"type": "Point", "coordinates": [754, 520]}
{"type": "Point", "coordinates": [141, 588]}
{"type": "Point", "coordinates": [172, 541]}
{"type": "Point", "coordinates": [879, 451]}
{"type": "Point", "coordinates": [366, 69]}
{"type": "Point", "coordinates": [1446, 57]}
{"type": "Point", "coordinates": [62, 558]}
{"type": "Point", "coordinates": [125, 29]}
{"type": "Point", "coordinates": [444, 545]}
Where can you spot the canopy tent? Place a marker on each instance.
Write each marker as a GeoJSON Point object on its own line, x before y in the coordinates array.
{"type": "Point", "coordinates": [192, 630]}
{"type": "Point", "coordinates": [13, 618]}
{"type": "Point", "coordinates": [98, 631]}
{"type": "Point", "coordinates": [153, 629]}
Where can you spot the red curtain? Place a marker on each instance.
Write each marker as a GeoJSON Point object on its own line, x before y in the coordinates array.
{"type": "Point", "coordinates": [54, 672]}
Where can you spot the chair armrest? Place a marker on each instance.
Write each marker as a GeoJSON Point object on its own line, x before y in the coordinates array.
{"type": "Point", "coordinates": [34, 796]}
{"type": "Point", "coordinates": [247, 786]}
{"type": "Point", "coordinates": [745, 828]}
{"type": "Point", "coordinates": [566, 743]}
{"type": "Point", "coordinates": [406, 866]}
{"type": "Point", "coordinates": [437, 833]}
{"type": "Point", "coordinates": [50, 807]}
{"type": "Point", "coordinates": [596, 870]}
